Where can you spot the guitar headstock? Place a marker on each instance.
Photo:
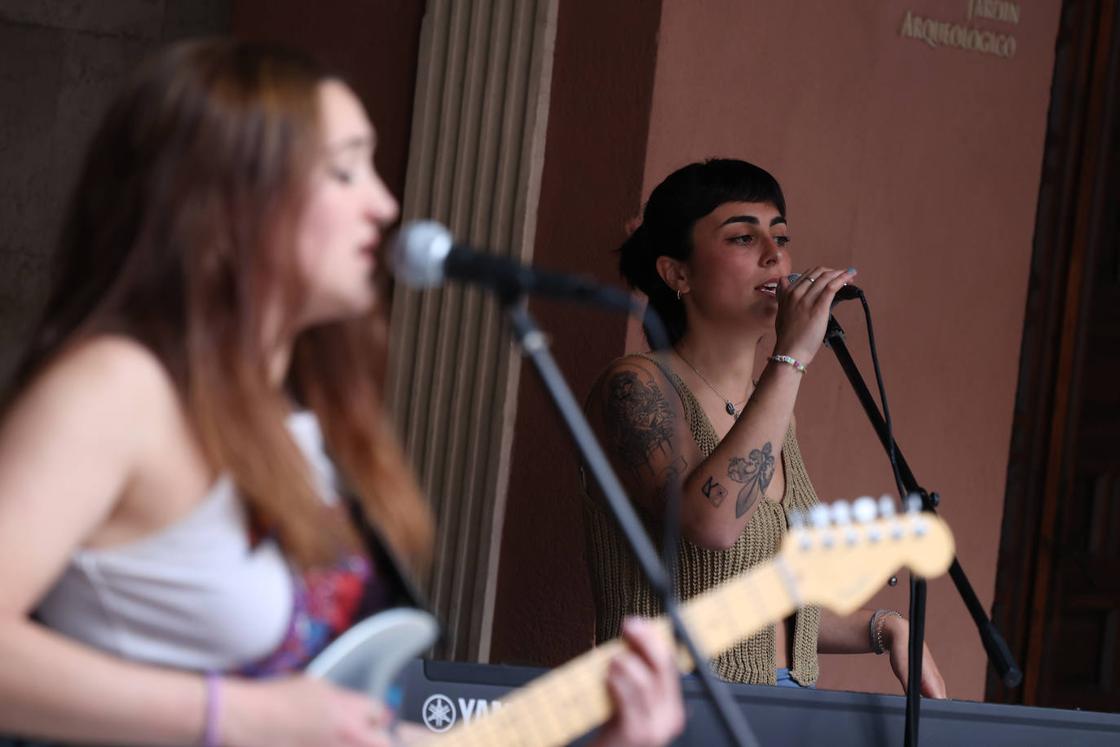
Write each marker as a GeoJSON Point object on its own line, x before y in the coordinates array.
{"type": "Point", "coordinates": [845, 552]}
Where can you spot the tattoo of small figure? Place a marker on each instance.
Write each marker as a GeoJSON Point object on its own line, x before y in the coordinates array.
{"type": "Point", "coordinates": [669, 477]}
{"type": "Point", "coordinates": [638, 417]}
{"type": "Point", "coordinates": [755, 473]}
{"type": "Point", "coordinates": [714, 492]}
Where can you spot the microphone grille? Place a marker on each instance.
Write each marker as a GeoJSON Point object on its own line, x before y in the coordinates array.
{"type": "Point", "coordinates": [418, 253]}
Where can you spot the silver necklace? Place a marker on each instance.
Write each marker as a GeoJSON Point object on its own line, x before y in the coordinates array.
{"type": "Point", "coordinates": [727, 404]}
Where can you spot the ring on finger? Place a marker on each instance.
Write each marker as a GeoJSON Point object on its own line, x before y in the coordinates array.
{"type": "Point", "coordinates": [811, 279]}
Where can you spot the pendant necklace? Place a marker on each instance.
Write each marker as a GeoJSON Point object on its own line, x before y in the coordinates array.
{"type": "Point", "coordinates": [727, 404]}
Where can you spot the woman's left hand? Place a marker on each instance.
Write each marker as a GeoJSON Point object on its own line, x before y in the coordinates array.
{"type": "Point", "coordinates": [644, 684]}
{"type": "Point", "coordinates": [897, 631]}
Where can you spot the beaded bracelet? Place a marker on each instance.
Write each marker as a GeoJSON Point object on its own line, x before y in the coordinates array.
{"type": "Point", "coordinates": [875, 629]}
{"type": "Point", "coordinates": [210, 726]}
{"type": "Point", "coordinates": [789, 360]}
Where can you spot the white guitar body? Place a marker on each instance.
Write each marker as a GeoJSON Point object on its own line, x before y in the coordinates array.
{"type": "Point", "coordinates": [367, 657]}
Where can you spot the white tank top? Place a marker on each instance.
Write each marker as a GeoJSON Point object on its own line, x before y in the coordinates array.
{"type": "Point", "coordinates": [194, 595]}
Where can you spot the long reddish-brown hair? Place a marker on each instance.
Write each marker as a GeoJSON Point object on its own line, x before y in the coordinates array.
{"type": "Point", "coordinates": [179, 230]}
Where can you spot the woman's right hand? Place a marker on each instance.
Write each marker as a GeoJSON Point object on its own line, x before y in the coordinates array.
{"type": "Point", "coordinates": [803, 307]}
{"type": "Point", "coordinates": [299, 711]}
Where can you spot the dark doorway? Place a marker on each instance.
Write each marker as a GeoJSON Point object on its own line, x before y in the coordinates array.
{"type": "Point", "coordinates": [1058, 584]}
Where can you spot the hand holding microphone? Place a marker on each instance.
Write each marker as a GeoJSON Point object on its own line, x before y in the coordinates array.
{"type": "Point", "coordinates": [847, 291]}
{"type": "Point", "coordinates": [804, 303]}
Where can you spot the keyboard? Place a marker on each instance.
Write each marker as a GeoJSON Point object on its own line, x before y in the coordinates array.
{"type": "Point", "coordinates": [443, 694]}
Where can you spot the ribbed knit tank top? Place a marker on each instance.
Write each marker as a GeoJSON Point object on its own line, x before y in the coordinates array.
{"type": "Point", "coordinates": [620, 589]}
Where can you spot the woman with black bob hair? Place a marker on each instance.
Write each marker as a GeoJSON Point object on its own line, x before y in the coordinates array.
{"type": "Point", "coordinates": [712, 254]}
{"type": "Point", "coordinates": [667, 220]}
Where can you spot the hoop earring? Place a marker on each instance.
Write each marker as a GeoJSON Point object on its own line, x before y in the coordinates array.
{"type": "Point", "coordinates": [678, 294]}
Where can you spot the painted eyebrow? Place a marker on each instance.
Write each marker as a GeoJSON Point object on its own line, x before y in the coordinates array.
{"type": "Point", "coordinates": [752, 220]}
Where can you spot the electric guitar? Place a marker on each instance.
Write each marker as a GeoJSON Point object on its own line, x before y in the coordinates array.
{"type": "Point", "coordinates": [833, 562]}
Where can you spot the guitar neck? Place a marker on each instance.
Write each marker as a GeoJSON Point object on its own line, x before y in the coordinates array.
{"type": "Point", "coordinates": [572, 699]}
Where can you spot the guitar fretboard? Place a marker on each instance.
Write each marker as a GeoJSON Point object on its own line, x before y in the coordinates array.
{"type": "Point", "coordinates": [572, 699]}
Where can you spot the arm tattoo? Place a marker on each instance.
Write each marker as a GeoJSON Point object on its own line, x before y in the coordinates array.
{"type": "Point", "coordinates": [714, 492]}
{"type": "Point", "coordinates": [638, 419]}
{"type": "Point", "coordinates": [671, 476]}
{"type": "Point", "coordinates": [755, 473]}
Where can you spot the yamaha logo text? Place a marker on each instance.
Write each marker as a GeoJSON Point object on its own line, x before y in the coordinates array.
{"type": "Point", "coordinates": [441, 712]}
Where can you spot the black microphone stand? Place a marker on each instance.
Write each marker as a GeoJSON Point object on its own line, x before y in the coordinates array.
{"type": "Point", "coordinates": [534, 345]}
{"type": "Point", "coordinates": [998, 653]}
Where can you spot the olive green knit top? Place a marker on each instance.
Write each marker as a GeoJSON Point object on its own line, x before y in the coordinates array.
{"type": "Point", "coordinates": [621, 590]}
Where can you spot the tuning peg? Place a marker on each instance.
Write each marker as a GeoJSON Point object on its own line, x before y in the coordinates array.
{"type": "Point", "coordinates": [820, 516]}
{"type": "Point", "coordinates": [886, 511]}
{"type": "Point", "coordinates": [913, 503]}
{"type": "Point", "coordinates": [841, 513]}
{"type": "Point", "coordinates": [864, 509]}
{"type": "Point", "coordinates": [842, 518]}
{"type": "Point", "coordinates": [797, 527]}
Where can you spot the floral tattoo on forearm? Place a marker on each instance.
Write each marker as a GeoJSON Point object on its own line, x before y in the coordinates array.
{"type": "Point", "coordinates": [755, 473]}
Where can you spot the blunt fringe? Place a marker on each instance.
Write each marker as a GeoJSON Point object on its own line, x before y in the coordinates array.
{"type": "Point", "coordinates": [674, 206]}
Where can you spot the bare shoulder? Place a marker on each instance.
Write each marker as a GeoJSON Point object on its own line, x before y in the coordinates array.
{"type": "Point", "coordinates": [117, 363]}
{"type": "Point", "coordinates": [631, 376]}
{"type": "Point", "coordinates": [640, 419]}
{"type": "Point", "coordinates": [109, 380]}
{"type": "Point", "coordinates": [69, 446]}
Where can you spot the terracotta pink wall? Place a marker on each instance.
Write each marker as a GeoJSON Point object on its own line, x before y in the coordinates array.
{"type": "Point", "coordinates": [920, 166]}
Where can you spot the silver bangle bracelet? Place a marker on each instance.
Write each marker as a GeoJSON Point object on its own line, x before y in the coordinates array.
{"type": "Point", "coordinates": [875, 629]}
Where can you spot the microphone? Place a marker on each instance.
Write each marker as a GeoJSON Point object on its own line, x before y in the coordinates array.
{"type": "Point", "coordinates": [424, 255]}
{"type": "Point", "coordinates": [846, 292]}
